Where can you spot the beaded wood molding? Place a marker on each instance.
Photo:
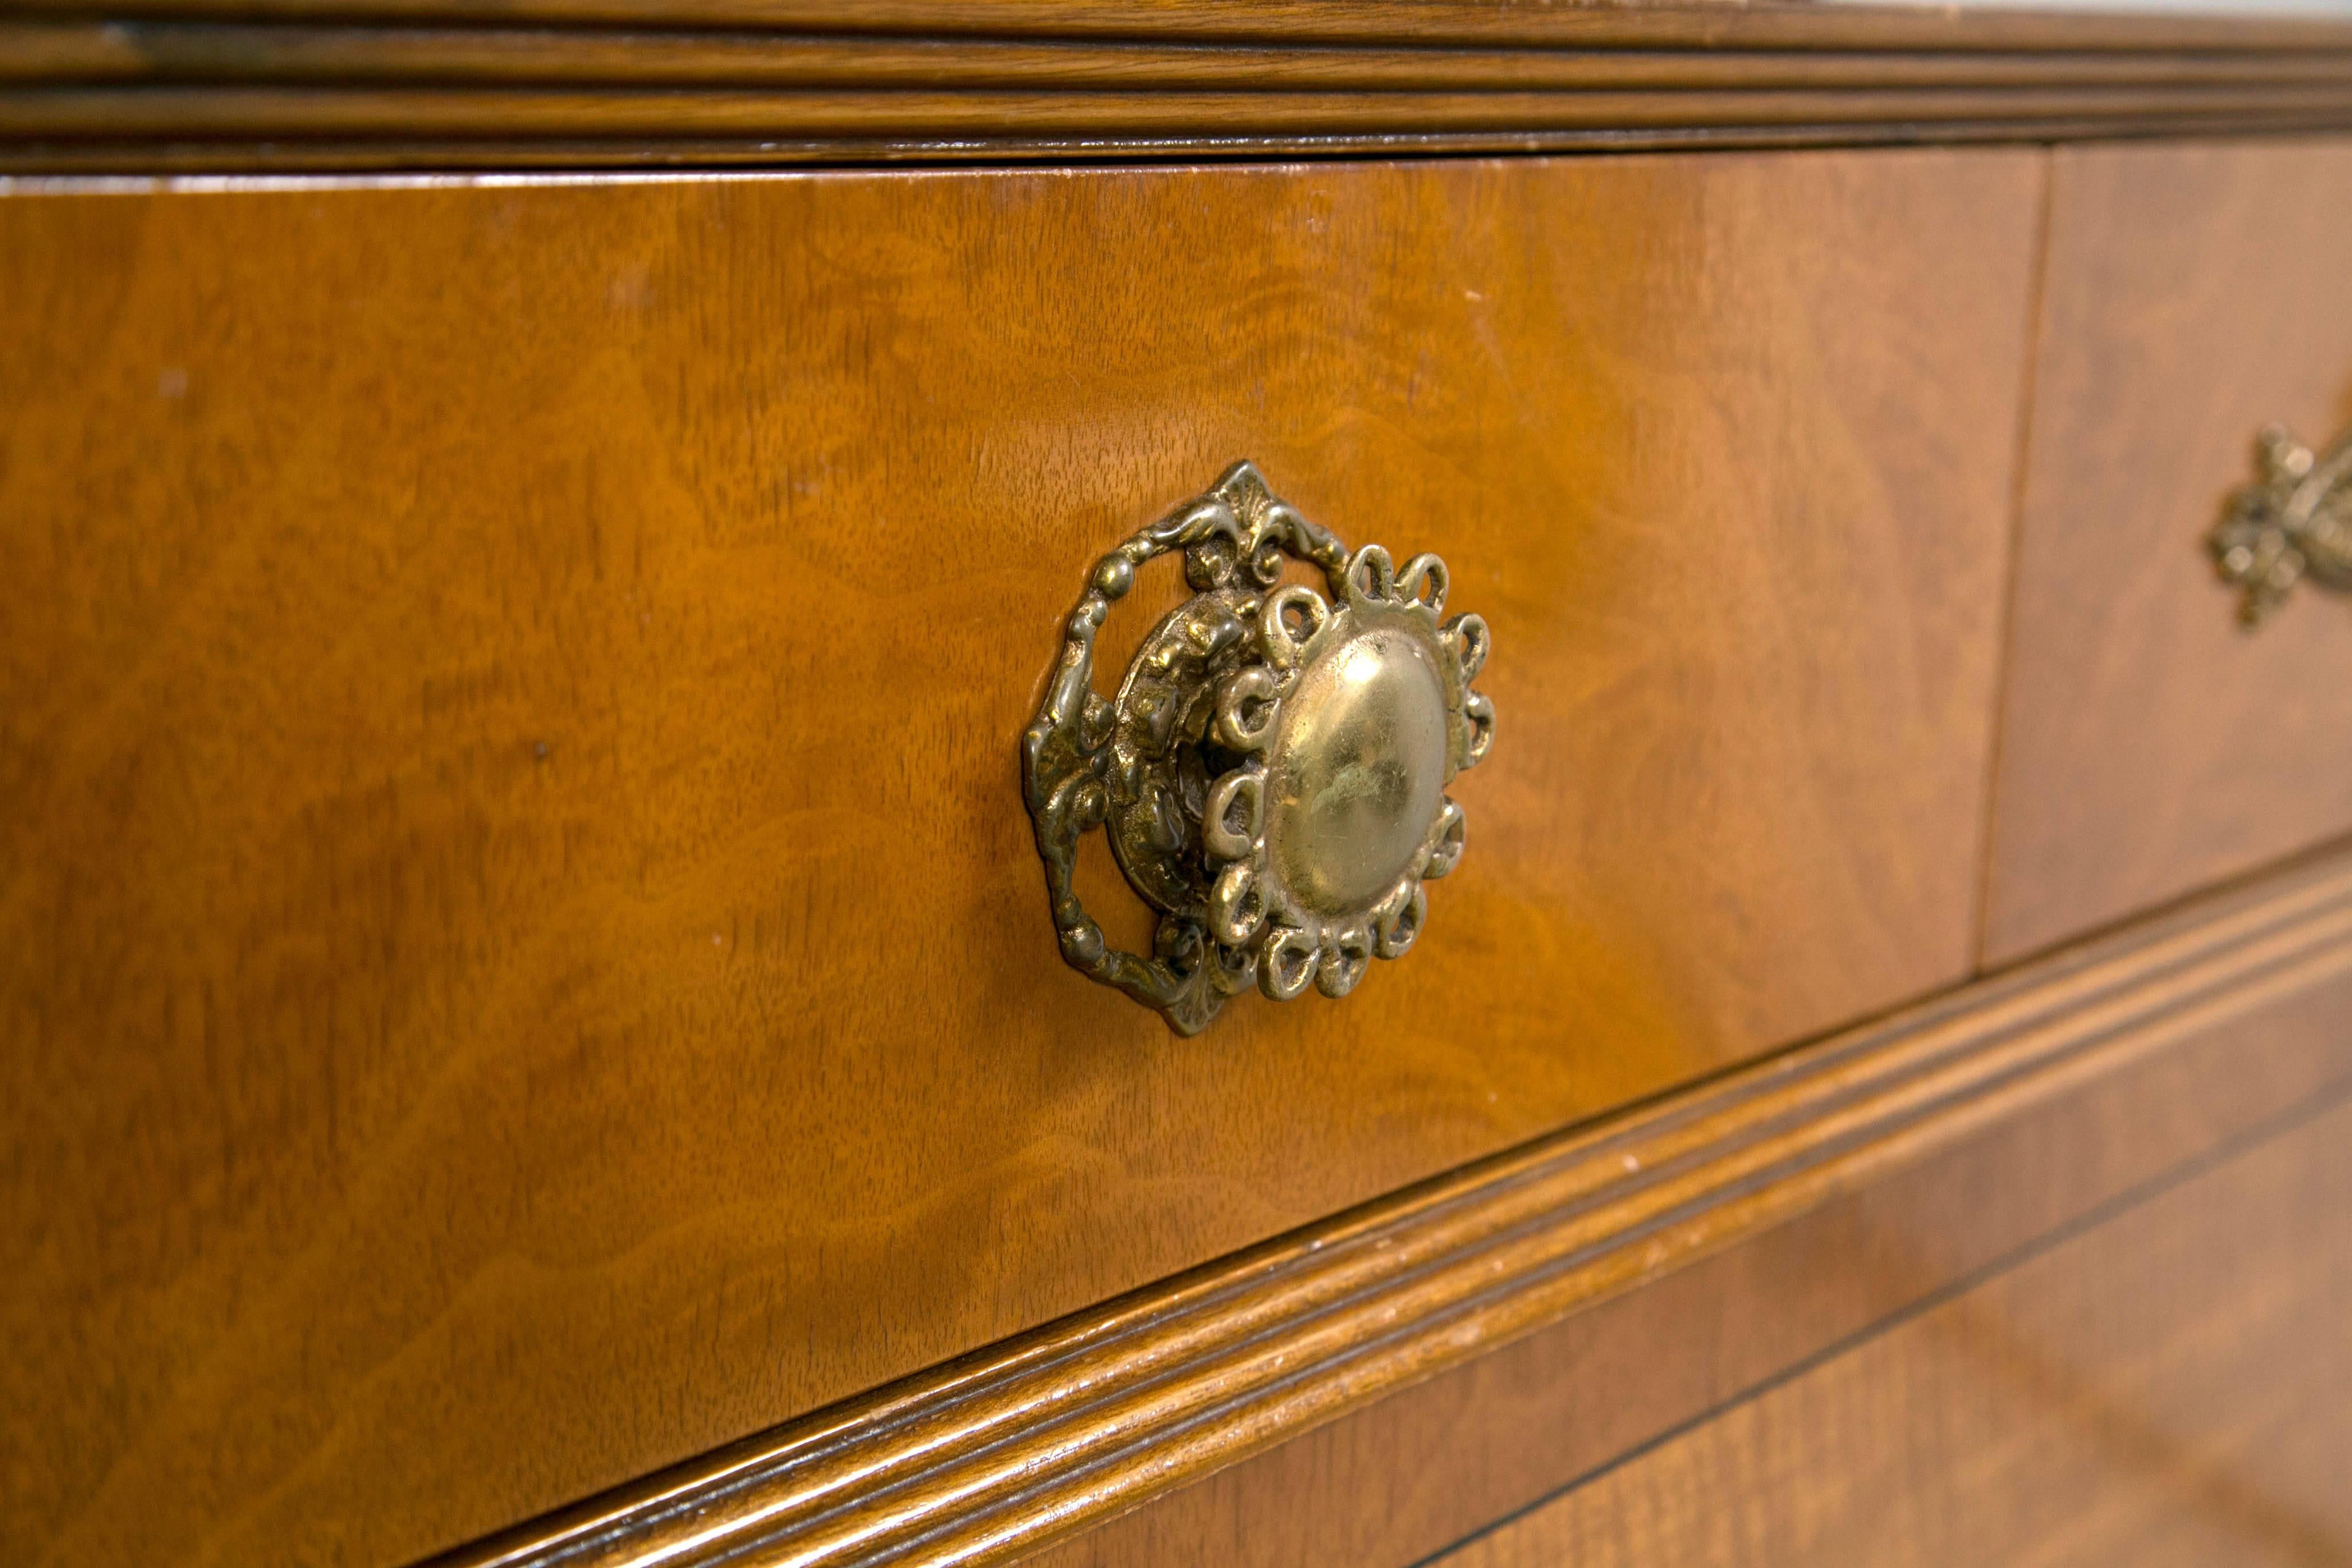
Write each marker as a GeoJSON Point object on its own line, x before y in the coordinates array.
{"type": "Point", "coordinates": [1036, 1439]}
{"type": "Point", "coordinates": [206, 86]}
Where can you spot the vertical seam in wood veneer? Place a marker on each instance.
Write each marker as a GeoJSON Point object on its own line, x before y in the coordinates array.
{"type": "Point", "coordinates": [2004, 645]}
{"type": "Point", "coordinates": [2326, 851]}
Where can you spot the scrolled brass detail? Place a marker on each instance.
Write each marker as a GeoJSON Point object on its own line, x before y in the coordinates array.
{"type": "Point", "coordinates": [1272, 771]}
{"type": "Point", "coordinates": [2294, 522]}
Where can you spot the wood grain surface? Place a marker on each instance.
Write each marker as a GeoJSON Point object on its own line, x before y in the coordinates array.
{"type": "Point", "coordinates": [633, 83]}
{"type": "Point", "coordinates": [2150, 743]}
{"type": "Point", "coordinates": [188, 50]}
{"type": "Point", "coordinates": [522, 951]}
{"type": "Point", "coordinates": [1702, 25]}
{"type": "Point", "coordinates": [978, 1462]}
{"type": "Point", "coordinates": [2173, 1386]}
{"type": "Point", "coordinates": [1403, 1478]}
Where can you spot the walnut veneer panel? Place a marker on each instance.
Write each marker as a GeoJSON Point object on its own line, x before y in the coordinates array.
{"type": "Point", "coordinates": [2150, 742]}
{"type": "Point", "coordinates": [2172, 1387]}
{"type": "Point", "coordinates": [522, 956]}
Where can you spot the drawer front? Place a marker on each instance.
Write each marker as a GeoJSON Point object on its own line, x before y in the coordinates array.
{"type": "Point", "coordinates": [2015, 1419]}
{"type": "Point", "coordinates": [2151, 741]}
{"type": "Point", "coordinates": [525, 954]}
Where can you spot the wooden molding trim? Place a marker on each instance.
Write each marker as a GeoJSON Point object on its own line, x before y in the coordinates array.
{"type": "Point", "coordinates": [1777, 24]}
{"type": "Point", "coordinates": [1036, 1439]}
{"type": "Point", "coordinates": [400, 86]}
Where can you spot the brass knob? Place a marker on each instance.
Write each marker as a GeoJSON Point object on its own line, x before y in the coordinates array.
{"type": "Point", "coordinates": [2294, 522]}
{"type": "Point", "coordinates": [1272, 772]}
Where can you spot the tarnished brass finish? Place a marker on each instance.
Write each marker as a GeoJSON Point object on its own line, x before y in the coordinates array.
{"type": "Point", "coordinates": [1272, 773]}
{"type": "Point", "coordinates": [2294, 522]}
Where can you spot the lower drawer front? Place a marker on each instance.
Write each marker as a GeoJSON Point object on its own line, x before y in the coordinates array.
{"type": "Point", "coordinates": [2169, 1387]}
{"type": "Point", "coordinates": [2152, 743]}
{"type": "Point", "coordinates": [523, 952]}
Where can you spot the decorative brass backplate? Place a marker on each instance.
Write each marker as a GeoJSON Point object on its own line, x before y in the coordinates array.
{"type": "Point", "coordinates": [2294, 522]}
{"type": "Point", "coordinates": [1272, 772]}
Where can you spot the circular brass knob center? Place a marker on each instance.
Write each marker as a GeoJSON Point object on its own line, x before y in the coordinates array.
{"type": "Point", "coordinates": [1358, 766]}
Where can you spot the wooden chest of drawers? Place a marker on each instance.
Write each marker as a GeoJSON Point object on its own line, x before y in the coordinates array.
{"type": "Point", "coordinates": [526, 965]}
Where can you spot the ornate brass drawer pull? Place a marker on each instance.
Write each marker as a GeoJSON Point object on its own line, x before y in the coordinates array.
{"type": "Point", "coordinates": [1272, 773]}
{"type": "Point", "coordinates": [2294, 522]}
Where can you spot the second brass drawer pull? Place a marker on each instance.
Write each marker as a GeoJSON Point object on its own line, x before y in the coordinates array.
{"type": "Point", "coordinates": [1272, 772]}
{"type": "Point", "coordinates": [2294, 522]}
